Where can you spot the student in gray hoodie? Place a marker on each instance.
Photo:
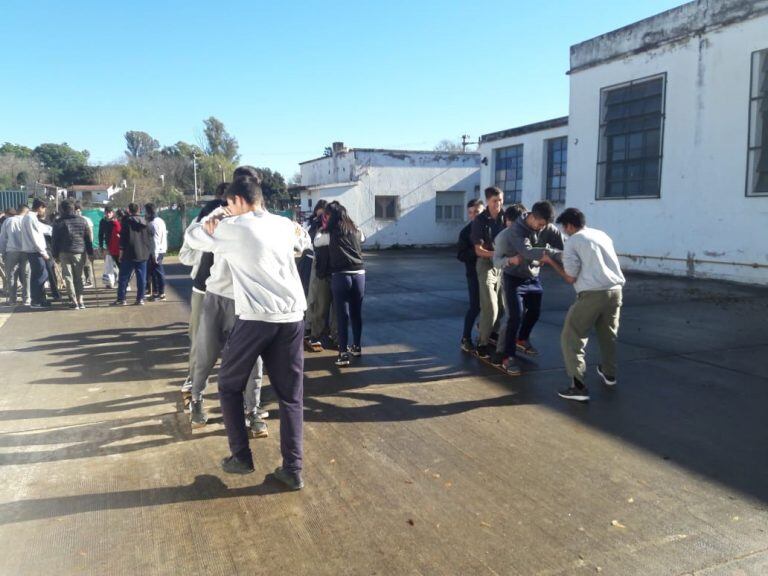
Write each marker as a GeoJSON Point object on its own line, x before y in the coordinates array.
{"type": "Point", "coordinates": [526, 241]}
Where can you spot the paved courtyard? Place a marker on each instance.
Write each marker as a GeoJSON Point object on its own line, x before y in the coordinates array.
{"type": "Point", "coordinates": [419, 459]}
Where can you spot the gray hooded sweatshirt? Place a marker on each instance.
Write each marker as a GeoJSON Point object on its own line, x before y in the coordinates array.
{"type": "Point", "coordinates": [519, 239]}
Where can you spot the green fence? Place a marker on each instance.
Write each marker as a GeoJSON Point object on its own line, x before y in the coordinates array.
{"type": "Point", "coordinates": [175, 220]}
{"type": "Point", "coordinates": [12, 199]}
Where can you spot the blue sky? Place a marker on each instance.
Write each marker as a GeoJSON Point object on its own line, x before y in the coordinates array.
{"type": "Point", "coordinates": [288, 78]}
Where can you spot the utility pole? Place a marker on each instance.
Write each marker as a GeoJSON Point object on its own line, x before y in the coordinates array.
{"type": "Point", "coordinates": [133, 196]}
{"type": "Point", "coordinates": [465, 142]}
{"type": "Point", "coordinates": [194, 169]}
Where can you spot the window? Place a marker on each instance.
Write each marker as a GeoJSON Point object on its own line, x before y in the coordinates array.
{"type": "Point", "coordinates": [757, 171]}
{"type": "Point", "coordinates": [557, 161]}
{"type": "Point", "coordinates": [631, 128]}
{"type": "Point", "coordinates": [449, 206]}
{"type": "Point", "coordinates": [387, 207]}
{"type": "Point", "coordinates": [309, 203]}
{"type": "Point", "coordinates": [509, 173]}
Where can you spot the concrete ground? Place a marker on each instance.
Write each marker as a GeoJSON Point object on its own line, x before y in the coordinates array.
{"type": "Point", "coordinates": [419, 459]}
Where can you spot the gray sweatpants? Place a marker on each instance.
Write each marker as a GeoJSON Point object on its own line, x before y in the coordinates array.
{"type": "Point", "coordinates": [17, 266]}
{"type": "Point", "coordinates": [216, 322]}
{"type": "Point", "coordinates": [319, 306]}
{"type": "Point", "coordinates": [196, 307]}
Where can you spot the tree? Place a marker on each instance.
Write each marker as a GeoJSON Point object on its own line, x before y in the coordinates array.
{"type": "Point", "coordinates": [295, 179]}
{"type": "Point", "coordinates": [449, 146]}
{"type": "Point", "coordinates": [140, 144]}
{"type": "Point", "coordinates": [219, 142]}
{"type": "Point", "coordinates": [16, 150]}
{"type": "Point", "coordinates": [273, 187]}
{"type": "Point", "coordinates": [65, 164]}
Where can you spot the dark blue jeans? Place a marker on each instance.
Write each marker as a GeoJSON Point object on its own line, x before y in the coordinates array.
{"type": "Point", "coordinates": [126, 267]}
{"type": "Point", "coordinates": [524, 301]}
{"type": "Point", "coordinates": [38, 278]}
{"type": "Point", "coordinates": [157, 274]}
{"type": "Point", "coordinates": [281, 346]}
{"type": "Point", "coordinates": [348, 292]}
{"type": "Point", "coordinates": [474, 303]}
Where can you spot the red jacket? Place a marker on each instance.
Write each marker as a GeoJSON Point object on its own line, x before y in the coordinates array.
{"type": "Point", "coordinates": [113, 244]}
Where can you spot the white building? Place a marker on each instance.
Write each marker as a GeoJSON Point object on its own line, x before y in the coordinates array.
{"type": "Point", "coordinates": [668, 140]}
{"type": "Point", "coordinates": [528, 163]}
{"type": "Point", "coordinates": [94, 194]}
{"type": "Point", "coordinates": [397, 197]}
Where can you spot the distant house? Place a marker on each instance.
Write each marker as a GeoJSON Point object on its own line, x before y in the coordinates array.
{"type": "Point", "coordinates": [93, 194]}
{"type": "Point", "coordinates": [397, 197]}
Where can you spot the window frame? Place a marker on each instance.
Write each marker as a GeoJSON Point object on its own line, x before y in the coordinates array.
{"type": "Point", "coordinates": [455, 208]}
{"type": "Point", "coordinates": [548, 143]}
{"type": "Point", "coordinates": [748, 193]}
{"type": "Point", "coordinates": [397, 208]}
{"type": "Point", "coordinates": [517, 192]}
{"type": "Point", "coordinates": [602, 140]}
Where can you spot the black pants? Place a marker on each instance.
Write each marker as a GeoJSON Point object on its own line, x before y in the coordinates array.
{"type": "Point", "coordinates": [39, 275]}
{"type": "Point", "coordinates": [474, 303]}
{"type": "Point", "coordinates": [281, 347]}
{"type": "Point", "coordinates": [53, 278]}
{"type": "Point", "coordinates": [348, 291]}
{"type": "Point", "coordinates": [523, 298]}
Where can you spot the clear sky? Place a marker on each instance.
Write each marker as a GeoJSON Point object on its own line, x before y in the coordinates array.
{"type": "Point", "coordinates": [288, 78]}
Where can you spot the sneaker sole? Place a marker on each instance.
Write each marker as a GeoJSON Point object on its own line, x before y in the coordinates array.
{"type": "Point", "coordinates": [196, 425]}
{"type": "Point", "coordinates": [574, 398]}
{"type": "Point", "coordinates": [527, 352]}
{"type": "Point", "coordinates": [254, 435]}
{"type": "Point", "coordinates": [604, 379]}
{"type": "Point", "coordinates": [341, 364]}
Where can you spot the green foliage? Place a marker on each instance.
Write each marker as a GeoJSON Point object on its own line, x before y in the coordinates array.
{"type": "Point", "coordinates": [64, 164]}
{"type": "Point", "coordinates": [219, 142]}
{"type": "Point", "coordinates": [273, 187]}
{"type": "Point", "coordinates": [16, 150]}
{"type": "Point", "coordinates": [140, 144]}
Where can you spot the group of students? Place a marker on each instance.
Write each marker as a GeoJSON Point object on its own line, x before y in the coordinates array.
{"type": "Point", "coordinates": [503, 251]}
{"type": "Point", "coordinates": [40, 252]}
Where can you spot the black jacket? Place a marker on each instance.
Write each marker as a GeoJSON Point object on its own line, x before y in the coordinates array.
{"type": "Point", "coordinates": [346, 252]}
{"type": "Point", "coordinates": [466, 250]}
{"type": "Point", "coordinates": [135, 241]}
{"type": "Point", "coordinates": [105, 232]}
{"type": "Point", "coordinates": [71, 233]}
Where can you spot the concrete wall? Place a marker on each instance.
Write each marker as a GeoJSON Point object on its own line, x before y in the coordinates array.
{"type": "Point", "coordinates": [703, 212]}
{"type": "Point", "coordinates": [415, 177]}
{"type": "Point", "coordinates": [534, 162]}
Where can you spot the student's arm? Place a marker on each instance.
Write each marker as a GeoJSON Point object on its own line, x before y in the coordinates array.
{"type": "Point", "coordinates": [4, 238]}
{"type": "Point", "coordinates": [502, 253]}
{"type": "Point", "coordinates": [214, 233]}
{"type": "Point", "coordinates": [571, 263]}
{"type": "Point", "coordinates": [522, 246]}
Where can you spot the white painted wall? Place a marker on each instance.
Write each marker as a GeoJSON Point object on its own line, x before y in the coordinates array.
{"type": "Point", "coordinates": [534, 162]}
{"type": "Point", "coordinates": [703, 211]}
{"type": "Point", "coordinates": [414, 177]}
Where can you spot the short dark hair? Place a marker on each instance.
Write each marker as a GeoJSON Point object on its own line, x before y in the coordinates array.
{"type": "Point", "coordinates": [10, 212]}
{"type": "Point", "coordinates": [572, 216]}
{"type": "Point", "coordinates": [247, 171]}
{"type": "Point", "coordinates": [149, 210]}
{"type": "Point", "coordinates": [492, 192]}
{"type": "Point", "coordinates": [475, 202]}
{"type": "Point", "coordinates": [22, 207]}
{"type": "Point", "coordinates": [108, 209]}
{"type": "Point", "coordinates": [514, 212]}
{"type": "Point", "coordinates": [320, 204]}
{"type": "Point", "coordinates": [37, 204]}
{"type": "Point", "coordinates": [66, 207]}
{"type": "Point", "coordinates": [221, 189]}
{"type": "Point", "coordinates": [544, 210]}
{"type": "Point", "coordinates": [133, 208]}
{"type": "Point", "coordinates": [247, 188]}
{"type": "Point", "coordinates": [78, 206]}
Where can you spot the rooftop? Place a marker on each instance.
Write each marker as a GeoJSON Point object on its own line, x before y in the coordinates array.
{"type": "Point", "coordinates": [527, 129]}
{"type": "Point", "coordinates": [675, 25]}
{"type": "Point", "coordinates": [396, 152]}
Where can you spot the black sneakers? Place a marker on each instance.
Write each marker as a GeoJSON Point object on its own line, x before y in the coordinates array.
{"type": "Point", "coordinates": [343, 359]}
{"type": "Point", "coordinates": [482, 351]}
{"type": "Point", "coordinates": [356, 351]}
{"type": "Point", "coordinates": [497, 358]}
{"type": "Point", "coordinates": [577, 392]}
{"type": "Point", "coordinates": [197, 416]}
{"type": "Point", "coordinates": [234, 465]}
{"type": "Point", "coordinates": [526, 348]}
{"type": "Point", "coordinates": [512, 367]}
{"type": "Point", "coordinates": [258, 426]}
{"type": "Point", "coordinates": [292, 480]}
{"type": "Point", "coordinates": [607, 380]}
{"type": "Point", "coordinates": [118, 303]}
{"type": "Point", "coordinates": [466, 345]}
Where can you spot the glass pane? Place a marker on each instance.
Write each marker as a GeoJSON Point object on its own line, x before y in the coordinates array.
{"type": "Point", "coordinates": [759, 123]}
{"type": "Point", "coordinates": [438, 212]}
{"type": "Point", "coordinates": [759, 73]}
{"type": "Point", "coordinates": [614, 189]}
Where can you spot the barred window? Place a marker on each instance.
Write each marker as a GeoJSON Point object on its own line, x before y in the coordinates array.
{"type": "Point", "coordinates": [386, 207]}
{"type": "Point", "coordinates": [509, 173]}
{"type": "Point", "coordinates": [631, 128]}
{"type": "Point", "coordinates": [557, 163]}
{"type": "Point", "coordinates": [449, 206]}
{"type": "Point", "coordinates": [757, 174]}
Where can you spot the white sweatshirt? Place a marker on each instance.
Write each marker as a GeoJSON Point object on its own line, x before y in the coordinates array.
{"type": "Point", "coordinates": [259, 249]}
{"type": "Point", "coordinates": [10, 237]}
{"type": "Point", "coordinates": [589, 257]}
{"type": "Point", "coordinates": [159, 235]}
{"type": "Point", "coordinates": [33, 234]}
